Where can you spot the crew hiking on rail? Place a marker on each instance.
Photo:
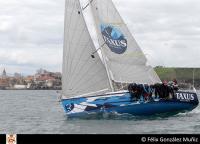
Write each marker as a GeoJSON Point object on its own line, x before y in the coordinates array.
{"type": "Point", "coordinates": [144, 92]}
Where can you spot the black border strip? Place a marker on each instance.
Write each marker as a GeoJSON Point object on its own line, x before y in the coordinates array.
{"type": "Point", "coordinates": [2, 139]}
{"type": "Point", "coordinates": [107, 139]}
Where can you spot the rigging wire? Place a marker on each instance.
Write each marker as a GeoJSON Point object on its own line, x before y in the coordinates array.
{"type": "Point", "coordinates": [92, 55]}
{"type": "Point", "coordinates": [83, 8]}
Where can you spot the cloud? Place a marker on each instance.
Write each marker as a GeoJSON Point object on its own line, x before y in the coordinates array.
{"type": "Point", "coordinates": [167, 31]}
{"type": "Point", "coordinates": [31, 32]}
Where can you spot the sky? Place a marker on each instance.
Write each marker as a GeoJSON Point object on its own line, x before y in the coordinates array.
{"type": "Point", "coordinates": [31, 32]}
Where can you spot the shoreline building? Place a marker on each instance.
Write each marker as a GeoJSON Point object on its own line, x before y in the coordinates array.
{"type": "Point", "coordinates": [4, 82]}
{"type": "Point", "coordinates": [4, 75]}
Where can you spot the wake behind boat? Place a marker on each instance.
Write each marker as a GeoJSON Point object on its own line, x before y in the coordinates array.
{"type": "Point", "coordinates": [93, 78]}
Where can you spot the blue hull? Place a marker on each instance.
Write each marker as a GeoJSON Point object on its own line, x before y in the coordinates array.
{"type": "Point", "coordinates": [122, 103]}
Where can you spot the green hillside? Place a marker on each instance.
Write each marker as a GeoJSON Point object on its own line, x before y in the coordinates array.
{"type": "Point", "coordinates": [183, 75]}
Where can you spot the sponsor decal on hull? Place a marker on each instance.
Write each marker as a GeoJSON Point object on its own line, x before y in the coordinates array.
{"type": "Point", "coordinates": [185, 96]}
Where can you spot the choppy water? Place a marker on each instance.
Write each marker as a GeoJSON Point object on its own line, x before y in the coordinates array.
{"type": "Point", "coordinates": [39, 112]}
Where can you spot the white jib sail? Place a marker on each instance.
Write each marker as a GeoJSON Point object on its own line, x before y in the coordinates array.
{"type": "Point", "coordinates": [82, 74]}
{"type": "Point", "coordinates": [124, 57]}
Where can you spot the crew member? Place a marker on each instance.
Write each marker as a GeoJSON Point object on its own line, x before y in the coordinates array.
{"type": "Point", "coordinates": [135, 90]}
{"type": "Point", "coordinates": [140, 92]}
{"type": "Point", "coordinates": [173, 87]}
{"type": "Point", "coordinates": [132, 88]}
{"type": "Point", "coordinates": [157, 90]}
{"type": "Point", "coordinates": [165, 90]}
{"type": "Point", "coordinates": [147, 92]}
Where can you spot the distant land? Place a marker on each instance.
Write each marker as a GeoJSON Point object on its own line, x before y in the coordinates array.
{"type": "Point", "coordinates": [44, 79]}
{"type": "Point", "coordinates": [41, 80]}
{"type": "Point", "coordinates": [184, 76]}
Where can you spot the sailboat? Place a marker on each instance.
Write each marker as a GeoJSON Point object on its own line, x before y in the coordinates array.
{"type": "Point", "coordinates": [94, 79]}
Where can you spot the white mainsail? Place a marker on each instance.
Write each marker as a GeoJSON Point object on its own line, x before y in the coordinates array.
{"type": "Point", "coordinates": [125, 59]}
{"type": "Point", "coordinates": [82, 74]}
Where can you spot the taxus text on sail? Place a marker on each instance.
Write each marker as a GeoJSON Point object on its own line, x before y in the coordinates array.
{"type": "Point", "coordinates": [114, 38]}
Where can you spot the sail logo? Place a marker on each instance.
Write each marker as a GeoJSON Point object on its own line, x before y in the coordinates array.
{"type": "Point", "coordinates": [185, 96]}
{"type": "Point", "coordinates": [114, 39]}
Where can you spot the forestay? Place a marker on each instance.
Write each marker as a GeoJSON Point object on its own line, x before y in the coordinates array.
{"type": "Point", "coordinates": [125, 59]}
{"type": "Point", "coordinates": [82, 74]}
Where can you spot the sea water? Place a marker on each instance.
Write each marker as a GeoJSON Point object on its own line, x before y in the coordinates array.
{"type": "Point", "coordinates": [40, 112]}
